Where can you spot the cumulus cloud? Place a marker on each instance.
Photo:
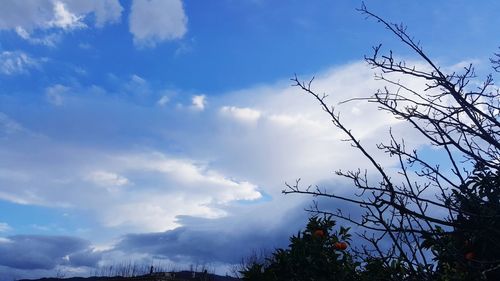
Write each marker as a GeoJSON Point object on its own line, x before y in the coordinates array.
{"type": "Point", "coordinates": [65, 19]}
{"type": "Point", "coordinates": [38, 21]}
{"type": "Point", "coordinates": [198, 102]}
{"type": "Point", "coordinates": [241, 114]}
{"type": "Point", "coordinates": [17, 62]}
{"type": "Point", "coordinates": [104, 178]}
{"type": "Point", "coordinates": [154, 21]}
{"type": "Point", "coordinates": [185, 188]}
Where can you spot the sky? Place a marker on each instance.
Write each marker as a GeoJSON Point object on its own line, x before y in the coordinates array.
{"type": "Point", "coordinates": [163, 131]}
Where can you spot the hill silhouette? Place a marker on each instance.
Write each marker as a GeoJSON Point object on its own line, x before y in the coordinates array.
{"type": "Point", "coordinates": [157, 276]}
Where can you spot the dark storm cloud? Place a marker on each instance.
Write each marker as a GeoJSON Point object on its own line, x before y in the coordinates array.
{"type": "Point", "coordinates": [84, 258]}
{"type": "Point", "coordinates": [45, 252]}
{"type": "Point", "coordinates": [225, 240]}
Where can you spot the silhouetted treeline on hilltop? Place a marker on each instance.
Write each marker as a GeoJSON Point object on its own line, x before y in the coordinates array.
{"type": "Point", "coordinates": [157, 276]}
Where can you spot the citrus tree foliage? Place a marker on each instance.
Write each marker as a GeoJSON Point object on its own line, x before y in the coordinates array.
{"type": "Point", "coordinates": [316, 253]}
{"type": "Point", "coordinates": [471, 251]}
{"type": "Point", "coordinates": [430, 221]}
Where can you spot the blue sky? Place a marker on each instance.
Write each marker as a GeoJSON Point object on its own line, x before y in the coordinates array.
{"type": "Point", "coordinates": [165, 130]}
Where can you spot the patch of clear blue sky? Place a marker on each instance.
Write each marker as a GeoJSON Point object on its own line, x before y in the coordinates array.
{"type": "Point", "coordinates": [235, 44]}
{"type": "Point", "coordinates": [30, 219]}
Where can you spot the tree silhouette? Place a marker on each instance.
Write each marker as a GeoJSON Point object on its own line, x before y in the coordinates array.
{"type": "Point", "coordinates": [442, 220]}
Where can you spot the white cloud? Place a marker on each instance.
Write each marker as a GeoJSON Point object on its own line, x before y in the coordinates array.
{"type": "Point", "coordinates": [38, 21]}
{"type": "Point", "coordinates": [187, 172]}
{"type": "Point", "coordinates": [104, 178]}
{"type": "Point", "coordinates": [4, 227]}
{"type": "Point", "coordinates": [154, 21]}
{"type": "Point", "coordinates": [156, 212]}
{"type": "Point", "coordinates": [49, 40]}
{"type": "Point", "coordinates": [65, 19]}
{"type": "Point", "coordinates": [56, 94]}
{"type": "Point", "coordinates": [163, 101]}
{"type": "Point", "coordinates": [244, 114]}
{"type": "Point", "coordinates": [105, 11]}
{"type": "Point", "coordinates": [198, 102]}
{"type": "Point", "coordinates": [22, 33]}
{"type": "Point", "coordinates": [137, 79]}
{"type": "Point", "coordinates": [180, 187]}
{"type": "Point", "coordinates": [137, 86]}
{"type": "Point", "coordinates": [17, 62]}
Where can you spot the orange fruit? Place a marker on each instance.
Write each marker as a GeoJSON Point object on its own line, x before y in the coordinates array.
{"type": "Point", "coordinates": [340, 246]}
{"type": "Point", "coordinates": [319, 233]}
{"type": "Point", "coordinates": [470, 256]}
